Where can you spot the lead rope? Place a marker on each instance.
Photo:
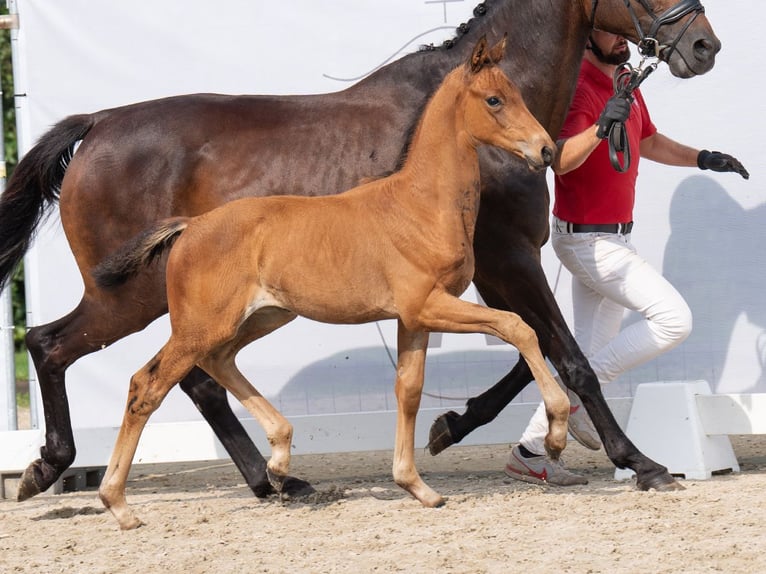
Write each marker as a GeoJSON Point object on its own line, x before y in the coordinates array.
{"type": "Point", "coordinates": [626, 80]}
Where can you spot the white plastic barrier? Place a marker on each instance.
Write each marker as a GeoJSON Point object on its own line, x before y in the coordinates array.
{"type": "Point", "coordinates": [684, 427]}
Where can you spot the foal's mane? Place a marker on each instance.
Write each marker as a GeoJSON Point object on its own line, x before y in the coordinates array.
{"type": "Point", "coordinates": [478, 11]}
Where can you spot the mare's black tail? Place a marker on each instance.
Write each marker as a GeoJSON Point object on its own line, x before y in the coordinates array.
{"type": "Point", "coordinates": [34, 187]}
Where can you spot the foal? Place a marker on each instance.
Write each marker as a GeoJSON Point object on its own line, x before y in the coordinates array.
{"type": "Point", "coordinates": [395, 248]}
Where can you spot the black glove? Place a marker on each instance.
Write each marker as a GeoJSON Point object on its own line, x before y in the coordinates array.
{"type": "Point", "coordinates": [717, 161]}
{"type": "Point", "coordinates": [617, 109]}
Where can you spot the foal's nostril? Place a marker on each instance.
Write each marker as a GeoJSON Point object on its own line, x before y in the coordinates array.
{"type": "Point", "coordinates": [547, 155]}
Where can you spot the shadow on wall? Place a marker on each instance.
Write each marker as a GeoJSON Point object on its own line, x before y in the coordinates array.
{"type": "Point", "coordinates": [362, 379]}
{"type": "Point", "coordinates": [715, 257]}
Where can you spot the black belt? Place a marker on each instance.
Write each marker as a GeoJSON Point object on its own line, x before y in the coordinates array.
{"type": "Point", "coordinates": [620, 228]}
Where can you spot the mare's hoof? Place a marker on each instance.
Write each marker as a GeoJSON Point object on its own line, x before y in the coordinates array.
{"type": "Point", "coordinates": [28, 484]}
{"type": "Point", "coordinates": [295, 487]}
{"type": "Point", "coordinates": [291, 487]}
{"type": "Point", "coordinates": [662, 483]}
{"type": "Point", "coordinates": [440, 436]}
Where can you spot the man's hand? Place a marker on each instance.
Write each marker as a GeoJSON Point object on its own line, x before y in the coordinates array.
{"type": "Point", "coordinates": [617, 109]}
{"type": "Point", "coordinates": [717, 161]}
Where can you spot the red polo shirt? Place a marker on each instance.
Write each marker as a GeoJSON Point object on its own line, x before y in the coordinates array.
{"type": "Point", "coordinates": [595, 192]}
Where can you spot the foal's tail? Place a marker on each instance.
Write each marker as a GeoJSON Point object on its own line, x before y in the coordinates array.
{"type": "Point", "coordinates": [34, 187]}
{"type": "Point", "coordinates": [139, 252]}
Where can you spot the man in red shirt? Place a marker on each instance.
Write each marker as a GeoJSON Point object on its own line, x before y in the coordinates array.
{"type": "Point", "coordinates": [592, 222]}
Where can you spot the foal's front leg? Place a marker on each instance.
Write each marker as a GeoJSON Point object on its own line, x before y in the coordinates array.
{"type": "Point", "coordinates": [410, 371]}
{"type": "Point", "coordinates": [446, 313]}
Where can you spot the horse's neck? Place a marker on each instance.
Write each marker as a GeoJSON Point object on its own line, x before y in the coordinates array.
{"type": "Point", "coordinates": [442, 162]}
{"type": "Point", "coordinates": [545, 46]}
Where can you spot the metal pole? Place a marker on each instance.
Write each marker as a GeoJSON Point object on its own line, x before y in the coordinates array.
{"type": "Point", "coordinates": [8, 372]}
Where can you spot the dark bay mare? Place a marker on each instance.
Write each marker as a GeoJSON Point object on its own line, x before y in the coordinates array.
{"type": "Point", "coordinates": [185, 155]}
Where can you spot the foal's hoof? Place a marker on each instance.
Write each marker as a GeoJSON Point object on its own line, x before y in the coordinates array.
{"type": "Point", "coordinates": [663, 482]}
{"type": "Point", "coordinates": [277, 481]}
{"type": "Point", "coordinates": [440, 435]}
{"type": "Point", "coordinates": [28, 483]}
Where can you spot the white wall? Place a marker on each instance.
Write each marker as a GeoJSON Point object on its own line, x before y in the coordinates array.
{"type": "Point", "coordinates": [702, 229]}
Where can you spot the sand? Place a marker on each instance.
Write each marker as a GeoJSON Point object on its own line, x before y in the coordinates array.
{"type": "Point", "coordinates": [202, 518]}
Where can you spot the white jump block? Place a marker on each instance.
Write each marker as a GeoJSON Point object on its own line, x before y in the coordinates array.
{"type": "Point", "coordinates": [665, 425]}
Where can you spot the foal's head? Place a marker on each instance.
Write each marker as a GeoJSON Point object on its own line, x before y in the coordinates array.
{"type": "Point", "coordinates": [495, 112]}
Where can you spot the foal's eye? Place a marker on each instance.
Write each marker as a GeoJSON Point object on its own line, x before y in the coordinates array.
{"type": "Point", "coordinates": [493, 101]}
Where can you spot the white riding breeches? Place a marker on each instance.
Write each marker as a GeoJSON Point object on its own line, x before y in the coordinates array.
{"type": "Point", "coordinates": [608, 276]}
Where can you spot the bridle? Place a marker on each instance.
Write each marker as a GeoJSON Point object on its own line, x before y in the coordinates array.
{"type": "Point", "coordinates": [627, 78]}
{"type": "Point", "coordinates": [648, 45]}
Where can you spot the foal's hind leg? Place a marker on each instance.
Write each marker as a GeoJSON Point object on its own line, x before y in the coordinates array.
{"type": "Point", "coordinates": [211, 400]}
{"type": "Point", "coordinates": [99, 321]}
{"type": "Point", "coordinates": [148, 388]}
{"type": "Point", "coordinates": [279, 431]}
{"type": "Point", "coordinates": [221, 364]}
{"type": "Point", "coordinates": [446, 313]}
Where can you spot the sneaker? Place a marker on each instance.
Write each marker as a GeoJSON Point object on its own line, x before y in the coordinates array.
{"type": "Point", "coordinates": [540, 470]}
{"type": "Point", "coordinates": [580, 426]}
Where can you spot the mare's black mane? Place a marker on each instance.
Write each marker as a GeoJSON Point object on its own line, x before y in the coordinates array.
{"type": "Point", "coordinates": [460, 31]}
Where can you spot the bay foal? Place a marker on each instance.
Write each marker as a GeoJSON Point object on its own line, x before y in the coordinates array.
{"type": "Point", "coordinates": [395, 248]}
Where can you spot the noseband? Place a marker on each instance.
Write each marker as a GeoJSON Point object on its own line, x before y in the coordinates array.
{"type": "Point", "coordinates": [627, 78]}
{"type": "Point", "coordinates": [648, 45]}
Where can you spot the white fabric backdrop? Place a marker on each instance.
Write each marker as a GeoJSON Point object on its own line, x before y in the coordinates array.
{"type": "Point", "coordinates": [702, 229]}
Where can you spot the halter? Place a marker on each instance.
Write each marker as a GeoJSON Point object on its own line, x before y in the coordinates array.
{"type": "Point", "coordinates": [627, 78]}
{"type": "Point", "coordinates": [648, 45]}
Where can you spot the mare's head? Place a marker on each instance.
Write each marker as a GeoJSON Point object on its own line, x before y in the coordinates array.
{"type": "Point", "coordinates": [676, 31]}
{"type": "Point", "coordinates": [495, 112]}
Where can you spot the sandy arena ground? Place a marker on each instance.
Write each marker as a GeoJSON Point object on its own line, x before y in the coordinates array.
{"type": "Point", "coordinates": [201, 518]}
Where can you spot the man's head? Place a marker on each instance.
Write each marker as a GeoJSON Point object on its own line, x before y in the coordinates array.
{"type": "Point", "coordinates": [608, 48]}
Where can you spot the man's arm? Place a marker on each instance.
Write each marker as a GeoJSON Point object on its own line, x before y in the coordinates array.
{"type": "Point", "coordinates": [662, 149]}
{"type": "Point", "coordinates": [572, 152]}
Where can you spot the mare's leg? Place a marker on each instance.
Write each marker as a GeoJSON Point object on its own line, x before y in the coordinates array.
{"type": "Point", "coordinates": [559, 345]}
{"type": "Point", "coordinates": [509, 276]}
{"type": "Point", "coordinates": [54, 347]}
{"type": "Point", "coordinates": [148, 388]}
{"type": "Point", "coordinates": [451, 427]}
{"type": "Point", "coordinates": [410, 371]}
{"type": "Point", "coordinates": [446, 313]}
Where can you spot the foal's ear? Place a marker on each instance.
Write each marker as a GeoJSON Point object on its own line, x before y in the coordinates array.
{"type": "Point", "coordinates": [498, 50]}
{"type": "Point", "coordinates": [480, 55]}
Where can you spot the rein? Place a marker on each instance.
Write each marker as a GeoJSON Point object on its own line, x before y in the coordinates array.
{"type": "Point", "coordinates": [627, 78]}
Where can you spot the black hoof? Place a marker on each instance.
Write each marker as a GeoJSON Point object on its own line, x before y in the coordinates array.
{"type": "Point", "coordinates": [295, 487]}
{"type": "Point", "coordinates": [291, 487]}
{"type": "Point", "coordinates": [663, 482]}
{"type": "Point", "coordinates": [32, 482]}
{"type": "Point", "coordinates": [440, 435]}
